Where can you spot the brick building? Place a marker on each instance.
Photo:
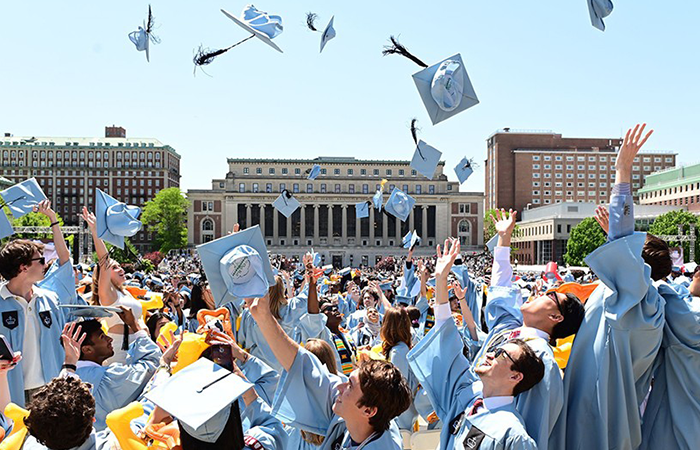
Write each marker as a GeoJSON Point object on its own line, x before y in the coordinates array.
{"type": "Point", "coordinates": [527, 169]}
{"type": "Point", "coordinates": [677, 187]}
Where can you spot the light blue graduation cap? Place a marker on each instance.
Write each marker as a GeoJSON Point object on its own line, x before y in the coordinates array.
{"type": "Point", "coordinates": [328, 34]}
{"type": "Point", "coordinates": [237, 266]}
{"type": "Point", "coordinates": [144, 36]}
{"type": "Point", "coordinates": [115, 220]}
{"type": "Point", "coordinates": [492, 243]}
{"type": "Point", "coordinates": [323, 288]}
{"type": "Point", "coordinates": [377, 199]}
{"type": "Point", "coordinates": [445, 89]}
{"type": "Point", "coordinates": [598, 10]}
{"type": "Point", "coordinates": [23, 197]}
{"type": "Point", "coordinates": [362, 210]}
{"type": "Point", "coordinates": [344, 271]}
{"type": "Point", "coordinates": [462, 274]}
{"type": "Point", "coordinates": [199, 393]}
{"type": "Point", "coordinates": [463, 170]}
{"type": "Point", "coordinates": [314, 172]}
{"type": "Point", "coordinates": [90, 311]}
{"type": "Point", "coordinates": [386, 286]}
{"type": "Point", "coordinates": [286, 203]}
{"type": "Point", "coordinates": [404, 300]}
{"type": "Point", "coordinates": [316, 258]}
{"type": "Point", "coordinates": [411, 239]}
{"type": "Point", "coordinates": [400, 204]}
{"type": "Point", "coordinates": [5, 226]}
{"type": "Point", "coordinates": [260, 24]}
{"type": "Point", "coordinates": [425, 159]}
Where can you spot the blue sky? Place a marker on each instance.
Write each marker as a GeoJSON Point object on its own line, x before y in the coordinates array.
{"type": "Point", "coordinates": [69, 69]}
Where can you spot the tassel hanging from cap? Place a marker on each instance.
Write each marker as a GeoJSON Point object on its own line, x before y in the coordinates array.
{"type": "Point", "coordinates": [205, 56]}
{"type": "Point", "coordinates": [149, 27]}
{"type": "Point", "coordinates": [396, 48]}
{"type": "Point", "coordinates": [414, 130]}
{"type": "Point", "coordinates": [381, 185]}
{"type": "Point", "coordinates": [310, 21]}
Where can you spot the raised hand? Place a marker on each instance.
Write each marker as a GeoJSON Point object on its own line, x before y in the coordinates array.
{"type": "Point", "coordinates": [259, 306]}
{"type": "Point", "coordinates": [631, 146]}
{"type": "Point", "coordinates": [170, 353]}
{"type": "Point", "coordinates": [447, 258]}
{"type": "Point", "coordinates": [603, 218]}
{"type": "Point", "coordinates": [460, 292]}
{"type": "Point", "coordinates": [72, 338]}
{"type": "Point", "coordinates": [504, 222]}
{"type": "Point", "coordinates": [44, 207]}
{"type": "Point", "coordinates": [89, 218]}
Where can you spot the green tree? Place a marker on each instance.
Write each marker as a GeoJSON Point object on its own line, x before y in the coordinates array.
{"type": "Point", "coordinates": [490, 227]}
{"type": "Point", "coordinates": [668, 224]}
{"type": "Point", "coordinates": [34, 219]}
{"type": "Point", "coordinates": [165, 215]}
{"type": "Point", "coordinates": [584, 239]}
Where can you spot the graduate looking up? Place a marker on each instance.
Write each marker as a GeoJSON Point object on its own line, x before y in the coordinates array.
{"type": "Point", "coordinates": [355, 414]}
{"type": "Point", "coordinates": [475, 415]}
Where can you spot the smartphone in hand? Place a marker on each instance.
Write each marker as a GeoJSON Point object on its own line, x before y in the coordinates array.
{"type": "Point", "coordinates": [6, 353]}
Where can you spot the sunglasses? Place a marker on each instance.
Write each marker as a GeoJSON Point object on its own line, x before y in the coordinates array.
{"type": "Point", "coordinates": [553, 295]}
{"type": "Point", "coordinates": [332, 308]}
{"type": "Point", "coordinates": [41, 260]}
{"type": "Point", "coordinates": [500, 351]}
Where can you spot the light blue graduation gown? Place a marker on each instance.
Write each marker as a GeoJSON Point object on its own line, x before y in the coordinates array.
{"type": "Point", "coordinates": [472, 294]}
{"type": "Point", "coordinates": [672, 416]}
{"type": "Point", "coordinates": [305, 399]}
{"type": "Point", "coordinates": [444, 372]}
{"type": "Point", "coordinates": [116, 385]}
{"type": "Point", "coordinates": [51, 322]}
{"type": "Point", "coordinates": [61, 280]}
{"type": "Point", "coordinates": [102, 440]}
{"type": "Point", "coordinates": [398, 356]}
{"type": "Point", "coordinates": [262, 376]}
{"type": "Point", "coordinates": [610, 367]}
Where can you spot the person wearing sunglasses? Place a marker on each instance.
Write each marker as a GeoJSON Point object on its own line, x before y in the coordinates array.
{"type": "Point", "coordinates": [475, 404]}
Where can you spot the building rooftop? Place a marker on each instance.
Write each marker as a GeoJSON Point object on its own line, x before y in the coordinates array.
{"type": "Point", "coordinates": [91, 142]}
{"type": "Point", "coordinates": [671, 178]}
{"type": "Point", "coordinates": [322, 159]}
{"type": "Point", "coordinates": [573, 210]}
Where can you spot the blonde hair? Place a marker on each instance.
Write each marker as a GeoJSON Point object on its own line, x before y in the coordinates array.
{"type": "Point", "coordinates": [277, 297]}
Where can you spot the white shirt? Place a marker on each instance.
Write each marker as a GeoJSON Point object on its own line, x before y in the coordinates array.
{"type": "Point", "coordinates": [31, 355]}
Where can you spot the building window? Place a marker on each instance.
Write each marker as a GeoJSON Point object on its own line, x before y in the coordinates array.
{"type": "Point", "coordinates": [535, 167]}
{"type": "Point", "coordinates": [535, 184]}
{"type": "Point", "coordinates": [419, 189]}
{"type": "Point", "coordinates": [365, 188]}
{"type": "Point", "coordinates": [464, 208]}
{"type": "Point", "coordinates": [241, 187]}
{"type": "Point", "coordinates": [431, 189]}
{"type": "Point", "coordinates": [376, 172]}
{"type": "Point", "coordinates": [255, 187]}
{"type": "Point", "coordinates": [351, 188]}
{"type": "Point", "coordinates": [271, 170]}
{"type": "Point", "coordinates": [535, 158]}
{"type": "Point", "coordinates": [363, 172]}
{"type": "Point", "coordinates": [283, 186]}
{"type": "Point", "coordinates": [309, 187]}
{"type": "Point", "coordinates": [388, 171]}
{"type": "Point", "coordinates": [337, 189]}
{"type": "Point", "coordinates": [324, 171]}
{"type": "Point", "coordinates": [285, 171]}
{"type": "Point", "coordinates": [323, 188]}
{"type": "Point", "coordinates": [401, 172]}
{"type": "Point", "coordinates": [297, 171]}
{"type": "Point", "coordinates": [268, 187]}
{"type": "Point", "coordinates": [336, 171]}
{"type": "Point", "coordinates": [207, 225]}
{"type": "Point", "coordinates": [464, 232]}
{"type": "Point", "coordinates": [295, 187]}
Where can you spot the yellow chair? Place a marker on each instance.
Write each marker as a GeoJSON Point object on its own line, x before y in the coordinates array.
{"type": "Point", "coordinates": [155, 302]}
{"type": "Point", "coordinates": [119, 421]}
{"type": "Point", "coordinates": [19, 430]}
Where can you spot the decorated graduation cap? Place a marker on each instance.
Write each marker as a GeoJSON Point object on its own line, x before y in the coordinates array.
{"type": "Point", "coordinates": [399, 204]}
{"type": "Point", "coordinates": [426, 158]}
{"type": "Point", "coordinates": [237, 265]}
{"type": "Point", "coordinates": [598, 10]}
{"type": "Point", "coordinates": [411, 239]}
{"type": "Point", "coordinates": [378, 197]}
{"type": "Point", "coordinates": [259, 24]}
{"type": "Point", "coordinates": [143, 37]}
{"type": "Point", "coordinates": [362, 209]}
{"type": "Point", "coordinates": [22, 197]}
{"type": "Point", "coordinates": [286, 203]}
{"type": "Point", "coordinates": [90, 311]}
{"type": "Point", "coordinates": [464, 169]}
{"type": "Point", "coordinates": [314, 172]}
{"type": "Point", "coordinates": [444, 87]}
{"type": "Point", "coordinates": [198, 393]}
{"type": "Point", "coordinates": [328, 33]}
{"type": "Point", "coordinates": [115, 220]}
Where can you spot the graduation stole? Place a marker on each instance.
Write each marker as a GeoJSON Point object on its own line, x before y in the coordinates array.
{"type": "Point", "coordinates": [345, 353]}
{"type": "Point", "coordinates": [429, 321]}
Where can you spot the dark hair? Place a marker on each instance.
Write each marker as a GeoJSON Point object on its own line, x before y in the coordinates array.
{"type": "Point", "coordinates": [231, 438]}
{"type": "Point", "coordinates": [61, 414]}
{"type": "Point", "coordinates": [384, 388]}
{"type": "Point", "coordinates": [197, 300]}
{"type": "Point", "coordinates": [414, 315]}
{"type": "Point", "coordinates": [152, 322]}
{"type": "Point", "coordinates": [529, 364]}
{"type": "Point", "coordinates": [89, 328]}
{"type": "Point", "coordinates": [573, 312]}
{"type": "Point", "coordinates": [15, 254]}
{"type": "Point", "coordinates": [396, 328]}
{"type": "Point", "coordinates": [658, 256]}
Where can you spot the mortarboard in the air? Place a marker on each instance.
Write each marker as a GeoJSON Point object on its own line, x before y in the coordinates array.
{"type": "Point", "coordinates": [92, 311]}
{"type": "Point", "coordinates": [237, 265]}
{"type": "Point", "coordinates": [314, 172]}
{"type": "Point", "coordinates": [286, 203]}
{"type": "Point", "coordinates": [327, 269]}
{"type": "Point", "coordinates": [198, 393]}
{"type": "Point", "coordinates": [259, 24]}
{"type": "Point", "coordinates": [115, 220]}
{"type": "Point", "coordinates": [425, 157]}
{"type": "Point", "coordinates": [410, 239]}
{"type": "Point", "coordinates": [316, 258]}
{"type": "Point", "coordinates": [444, 87]}
{"type": "Point", "coordinates": [598, 10]}
{"type": "Point", "coordinates": [143, 37]}
{"type": "Point", "coordinates": [22, 197]}
{"type": "Point", "coordinates": [399, 204]}
{"type": "Point", "coordinates": [378, 197]}
{"type": "Point", "coordinates": [5, 225]}
{"type": "Point", "coordinates": [463, 170]}
{"type": "Point", "coordinates": [362, 210]}
{"type": "Point", "coordinates": [328, 33]}
{"type": "Point", "coordinates": [387, 286]}
{"type": "Point", "coordinates": [492, 243]}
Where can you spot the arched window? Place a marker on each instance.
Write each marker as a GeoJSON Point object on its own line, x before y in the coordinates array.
{"type": "Point", "coordinates": [464, 232]}
{"type": "Point", "coordinates": [207, 225]}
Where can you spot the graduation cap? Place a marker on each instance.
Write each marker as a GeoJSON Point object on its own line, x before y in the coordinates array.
{"type": "Point", "coordinates": [328, 33]}
{"type": "Point", "coordinates": [598, 10]}
{"type": "Point", "coordinates": [378, 197]}
{"type": "Point", "coordinates": [5, 225]}
{"type": "Point", "coordinates": [399, 204]}
{"type": "Point", "coordinates": [258, 23]}
{"type": "Point", "coordinates": [115, 220]}
{"type": "Point", "coordinates": [464, 169]}
{"type": "Point", "coordinates": [237, 265]}
{"type": "Point", "coordinates": [404, 300]}
{"type": "Point", "coordinates": [286, 203]}
{"type": "Point", "coordinates": [316, 257]}
{"type": "Point", "coordinates": [313, 172]}
{"type": "Point", "coordinates": [144, 35]}
{"type": "Point", "coordinates": [425, 158]}
{"type": "Point", "coordinates": [22, 197]}
{"type": "Point", "coordinates": [362, 209]}
{"type": "Point", "coordinates": [444, 87]}
{"type": "Point", "coordinates": [198, 393]}
{"type": "Point", "coordinates": [345, 271]}
{"type": "Point", "coordinates": [411, 239]}
{"type": "Point", "coordinates": [492, 243]}
{"type": "Point", "coordinates": [90, 311]}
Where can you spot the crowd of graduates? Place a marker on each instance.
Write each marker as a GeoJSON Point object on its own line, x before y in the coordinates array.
{"type": "Point", "coordinates": [232, 348]}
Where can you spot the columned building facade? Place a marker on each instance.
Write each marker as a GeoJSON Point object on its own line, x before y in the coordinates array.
{"type": "Point", "coordinates": [326, 219]}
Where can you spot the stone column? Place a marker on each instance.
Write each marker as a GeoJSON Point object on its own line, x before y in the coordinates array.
{"type": "Point", "coordinates": [262, 219]}
{"type": "Point", "coordinates": [344, 236]}
{"type": "Point", "coordinates": [371, 225]}
{"type": "Point", "coordinates": [398, 229]}
{"type": "Point", "coordinates": [302, 226]}
{"type": "Point", "coordinates": [385, 228]}
{"type": "Point", "coordinates": [316, 237]}
{"type": "Point", "coordinates": [330, 224]}
{"type": "Point", "coordinates": [424, 231]}
{"type": "Point", "coordinates": [289, 230]}
{"type": "Point", "coordinates": [412, 221]}
{"type": "Point", "coordinates": [275, 225]}
{"type": "Point", "coordinates": [248, 215]}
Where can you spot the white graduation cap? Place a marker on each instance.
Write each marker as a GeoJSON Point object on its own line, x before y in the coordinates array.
{"type": "Point", "coordinates": [425, 159]}
{"type": "Point", "coordinates": [260, 24]}
{"type": "Point", "coordinates": [463, 170]}
{"type": "Point", "coordinates": [92, 311]}
{"type": "Point", "coordinates": [492, 243]}
{"type": "Point", "coordinates": [286, 203]}
{"type": "Point", "coordinates": [144, 35]}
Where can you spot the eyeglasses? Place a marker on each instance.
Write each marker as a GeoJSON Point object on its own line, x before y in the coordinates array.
{"type": "Point", "coordinates": [329, 309]}
{"type": "Point", "coordinates": [41, 260]}
{"type": "Point", "coordinates": [553, 295]}
{"type": "Point", "coordinates": [500, 351]}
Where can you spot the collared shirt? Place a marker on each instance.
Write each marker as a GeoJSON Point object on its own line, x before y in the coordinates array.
{"type": "Point", "coordinates": [531, 333]}
{"type": "Point", "coordinates": [31, 357]}
{"type": "Point", "coordinates": [492, 403]}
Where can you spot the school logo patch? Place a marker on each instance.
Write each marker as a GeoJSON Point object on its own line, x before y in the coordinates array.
{"type": "Point", "coordinates": [473, 439]}
{"type": "Point", "coordinates": [10, 319]}
{"type": "Point", "coordinates": [338, 443]}
{"type": "Point", "coordinates": [46, 319]}
{"type": "Point", "coordinates": [456, 424]}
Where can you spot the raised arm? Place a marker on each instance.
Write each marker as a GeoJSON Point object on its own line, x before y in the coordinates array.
{"type": "Point", "coordinates": [284, 348]}
{"type": "Point", "coordinates": [312, 302]}
{"type": "Point", "coordinates": [442, 270]}
{"type": "Point", "coordinates": [44, 207]}
{"type": "Point", "coordinates": [467, 316]}
{"type": "Point", "coordinates": [502, 271]}
{"type": "Point", "coordinates": [100, 247]}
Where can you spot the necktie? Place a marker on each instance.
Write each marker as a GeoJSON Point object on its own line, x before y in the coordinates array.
{"type": "Point", "coordinates": [514, 334]}
{"type": "Point", "coordinates": [477, 404]}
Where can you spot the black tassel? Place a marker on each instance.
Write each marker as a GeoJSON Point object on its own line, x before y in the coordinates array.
{"type": "Point", "coordinates": [149, 27]}
{"type": "Point", "coordinates": [414, 130]}
{"type": "Point", "coordinates": [205, 56]}
{"type": "Point", "coordinates": [310, 19]}
{"type": "Point", "coordinates": [397, 49]}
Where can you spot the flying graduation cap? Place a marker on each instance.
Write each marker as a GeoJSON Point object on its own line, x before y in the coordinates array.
{"type": "Point", "coordinates": [20, 199]}
{"type": "Point", "coordinates": [286, 203]}
{"type": "Point", "coordinates": [328, 33]}
{"type": "Point", "coordinates": [258, 23]}
{"type": "Point", "coordinates": [444, 87]}
{"type": "Point", "coordinates": [598, 10]}
{"type": "Point", "coordinates": [464, 169]}
{"type": "Point", "coordinates": [425, 158]}
{"type": "Point", "coordinates": [378, 198]}
{"type": "Point", "coordinates": [143, 37]}
{"type": "Point", "coordinates": [362, 209]}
